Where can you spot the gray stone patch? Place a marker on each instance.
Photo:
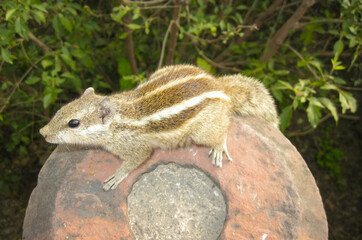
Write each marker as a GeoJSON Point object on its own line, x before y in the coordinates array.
{"type": "Point", "coordinates": [175, 202]}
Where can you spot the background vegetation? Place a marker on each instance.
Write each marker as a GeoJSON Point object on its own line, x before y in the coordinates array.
{"type": "Point", "coordinates": [307, 52]}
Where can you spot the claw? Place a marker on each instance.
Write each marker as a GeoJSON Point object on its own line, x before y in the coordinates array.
{"type": "Point", "coordinates": [113, 181]}
{"type": "Point", "coordinates": [108, 179]}
{"type": "Point", "coordinates": [211, 151]}
{"type": "Point", "coordinates": [213, 158]}
{"type": "Point", "coordinates": [226, 152]}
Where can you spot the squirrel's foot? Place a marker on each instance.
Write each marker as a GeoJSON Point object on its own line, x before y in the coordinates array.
{"type": "Point", "coordinates": [113, 181]}
{"type": "Point", "coordinates": [217, 155]}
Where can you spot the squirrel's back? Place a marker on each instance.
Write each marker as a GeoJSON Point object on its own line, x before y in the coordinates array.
{"type": "Point", "coordinates": [178, 83]}
{"type": "Point", "coordinates": [249, 97]}
{"type": "Point", "coordinates": [171, 91]}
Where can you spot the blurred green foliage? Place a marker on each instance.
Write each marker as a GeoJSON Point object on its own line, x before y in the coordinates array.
{"type": "Point", "coordinates": [330, 155]}
{"type": "Point", "coordinates": [52, 50]}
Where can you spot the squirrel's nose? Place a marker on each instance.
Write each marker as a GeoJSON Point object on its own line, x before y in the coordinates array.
{"type": "Point", "coordinates": [43, 131]}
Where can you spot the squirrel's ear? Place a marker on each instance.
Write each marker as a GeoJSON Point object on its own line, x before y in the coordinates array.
{"type": "Point", "coordinates": [106, 109]}
{"type": "Point", "coordinates": [88, 91]}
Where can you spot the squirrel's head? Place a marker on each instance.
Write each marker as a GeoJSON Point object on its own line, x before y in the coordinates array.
{"type": "Point", "coordinates": [82, 121]}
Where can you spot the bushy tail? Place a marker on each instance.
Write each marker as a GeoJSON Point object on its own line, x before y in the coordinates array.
{"type": "Point", "coordinates": [250, 97]}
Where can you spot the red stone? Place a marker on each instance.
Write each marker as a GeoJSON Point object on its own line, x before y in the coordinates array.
{"type": "Point", "coordinates": [269, 190]}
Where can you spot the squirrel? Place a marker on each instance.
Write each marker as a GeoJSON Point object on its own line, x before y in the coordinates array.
{"type": "Point", "coordinates": [178, 105]}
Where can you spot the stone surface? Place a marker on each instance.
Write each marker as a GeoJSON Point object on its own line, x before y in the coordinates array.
{"type": "Point", "coordinates": [165, 204]}
{"type": "Point", "coordinates": [268, 190]}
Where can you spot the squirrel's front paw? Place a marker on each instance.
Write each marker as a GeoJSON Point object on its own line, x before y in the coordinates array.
{"type": "Point", "coordinates": [113, 181]}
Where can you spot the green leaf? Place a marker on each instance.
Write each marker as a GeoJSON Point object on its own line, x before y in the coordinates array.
{"type": "Point", "coordinates": [136, 14]}
{"type": "Point", "coordinates": [271, 65]}
{"type": "Point", "coordinates": [6, 55]}
{"type": "Point", "coordinates": [128, 82]}
{"type": "Point", "coordinates": [25, 139]}
{"type": "Point", "coordinates": [22, 150]}
{"type": "Point", "coordinates": [355, 55]}
{"type": "Point", "coordinates": [302, 63]}
{"type": "Point", "coordinates": [75, 80]}
{"type": "Point", "coordinates": [329, 86]}
{"type": "Point", "coordinates": [58, 81]}
{"type": "Point", "coordinates": [125, 70]}
{"type": "Point", "coordinates": [241, 7]}
{"type": "Point", "coordinates": [72, 10]}
{"type": "Point", "coordinates": [56, 24]}
{"type": "Point", "coordinates": [92, 26]}
{"type": "Point", "coordinates": [32, 80]}
{"type": "Point", "coordinates": [39, 16]}
{"type": "Point", "coordinates": [78, 53]}
{"type": "Point", "coordinates": [338, 48]}
{"type": "Point", "coordinates": [295, 103]}
{"type": "Point", "coordinates": [124, 67]}
{"type": "Point", "coordinates": [83, 57]}
{"type": "Point", "coordinates": [21, 28]}
{"type": "Point", "coordinates": [67, 24]}
{"type": "Point", "coordinates": [133, 26]}
{"type": "Point", "coordinates": [119, 12]}
{"type": "Point", "coordinates": [330, 106]}
{"type": "Point", "coordinates": [281, 72]}
{"type": "Point", "coordinates": [50, 95]}
{"type": "Point", "coordinates": [339, 67]}
{"type": "Point", "coordinates": [283, 85]}
{"type": "Point", "coordinates": [57, 66]}
{"type": "Point", "coordinates": [10, 14]}
{"type": "Point", "coordinates": [285, 117]}
{"type": "Point", "coordinates": [314, 114]}
{"type": "Point", "coordinates": [339, 81]}
{"type": "Point", "coordinates": [46, 63]}
{"type": "Point", "coordinates": [277, 94]}
{"type": "Point", "coordinates": [46, 78]}
{"type": "Point", "coordinates": [69, 61]}
{"type": "Point", "coordinates": [316, 64]}
{"type": "Point", "coordinates": [203, 64]}
{"type": "Point", "coordinates": [147, 27]}
{"type": "Point", "coordinates": [334, 32]}
{"type": "Point", "coordinates": [347, 101]}
{"type": "Point", "coordinates": [123, 36]}
{"type": "Point", "coordinates": [4, 86]}
{"type": "Point", "coordinates": [47, 100]}
{"type": "Point", "coordinates": [40, 7]}
{"type": "Point", "coordinates": [315, 101]}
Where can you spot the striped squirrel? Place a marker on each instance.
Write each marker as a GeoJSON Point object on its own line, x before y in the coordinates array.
{"type": "Point", "coordinates": [178, 105]}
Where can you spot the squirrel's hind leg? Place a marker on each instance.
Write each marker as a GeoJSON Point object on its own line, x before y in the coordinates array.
{"type": "Point", "coordinates": [210, 129]}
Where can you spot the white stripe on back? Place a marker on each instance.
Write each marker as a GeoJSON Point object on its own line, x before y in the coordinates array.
{"type": "Point", "coordinates": [171, 111]}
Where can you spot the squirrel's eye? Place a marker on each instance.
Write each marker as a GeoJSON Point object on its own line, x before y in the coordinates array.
{"type": "Point", "coordinates": [73, 123]}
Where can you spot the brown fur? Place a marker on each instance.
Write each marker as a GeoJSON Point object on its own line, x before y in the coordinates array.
{"type": "Point", "coordinates": [179, 105]}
